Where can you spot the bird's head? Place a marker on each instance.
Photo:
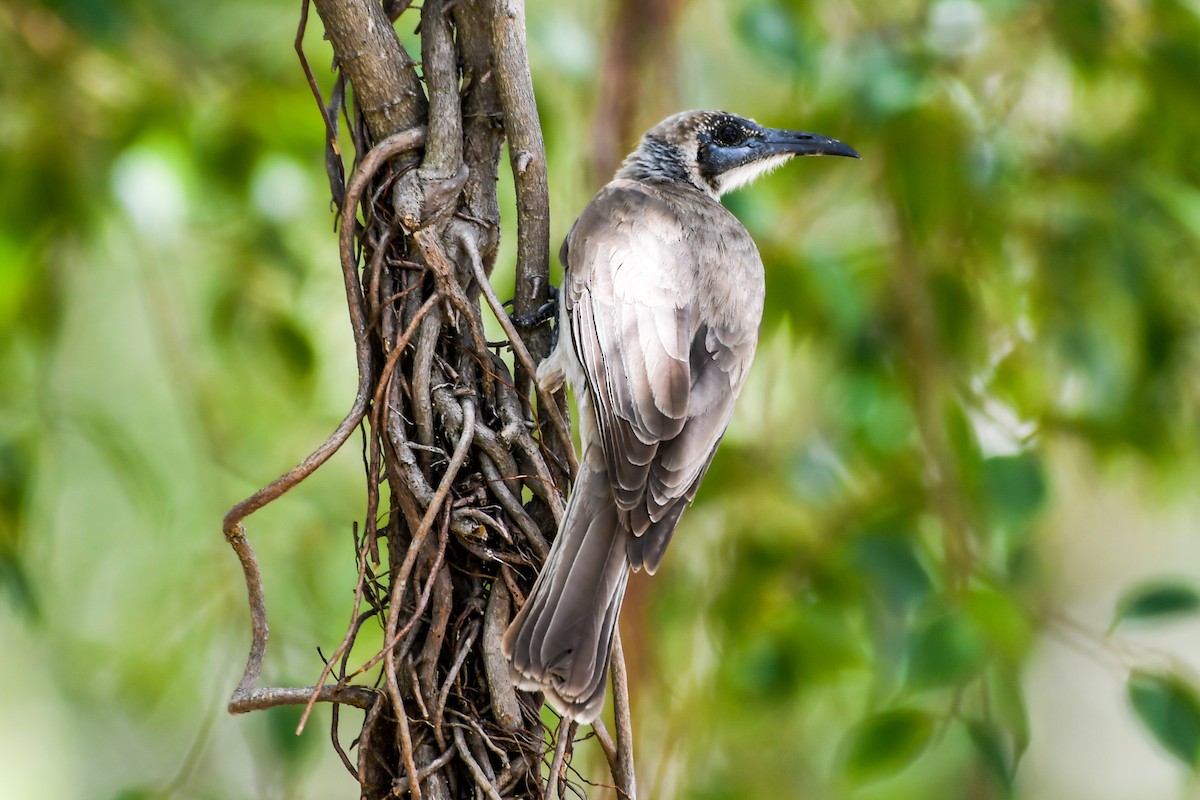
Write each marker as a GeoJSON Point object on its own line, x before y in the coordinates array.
{"type": "Point", "coordinates": [717, 152]}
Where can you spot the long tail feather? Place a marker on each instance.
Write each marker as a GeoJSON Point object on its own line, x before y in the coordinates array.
{"type": "Point", "coordinates": [561, 640]}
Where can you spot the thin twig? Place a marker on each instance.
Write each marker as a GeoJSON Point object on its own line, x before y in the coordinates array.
{"type": "Point", "coordinates": [544, 400]}
{"type": "Point", "coordinates": [398, 350]}
{"type": "Point", "coordinates": [334, 726]}
{"type": "Point", "coordinates": [258, 615]}
{"type": "Point", "coordinates": [481, 780]}
{"type": "Point", "coordinates": [416, 682]}
{"type": "Point", "coordinates": [563, 737]}
{"type": "Point", "coordinates": [235, 532]}
{"type": "Point", "coordinates": [400, 586]}
{"type": "Point", "coordinates": [402, 731]}
{"type": "Point", "coordinates": [400, 583]}
{"type": "Point", "coordinates": [487, 740]}
{"type": "Point", "coordinates": [399, 143]}
{"type": "Point", "coordinates": [527, 158]}
{"type": "Point", "coordinates": [258, 699]}
{"type": "Point", "coordinates": [401, 785]}
{"type": "Point", "coordinates": [624, 776]}
{"type": "Point", "coordinates": [606, 744]}
{"type": "Point", "coordinates": [508, 501]}
{"type": "Point", "coordinates": [344, 647]}
{"type": "Point", "coordinates": [451, 290]}
{"type": "Point", "coordinates": [415, 616]}
{"type": "Point", "coordinates": [330, 125]}
{"type": "Point", "coordinates": [463, 650]}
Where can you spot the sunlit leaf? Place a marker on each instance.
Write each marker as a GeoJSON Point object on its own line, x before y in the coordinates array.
{"type": "Point", "coordinates": [1152, 601]}
{"type": "Point", "coordinates": [1170, 710]}
{"type": "Point", "coordinates": [1000, 619]}
{"type": "Point", "coordinates": [883, 744]}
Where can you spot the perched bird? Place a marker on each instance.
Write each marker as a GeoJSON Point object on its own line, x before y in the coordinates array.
{"type": "Point", "coordinates": [659, 314]}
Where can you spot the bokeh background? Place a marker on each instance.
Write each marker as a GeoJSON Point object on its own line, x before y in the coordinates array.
{"type": "Point", "coordinates": [970, 441]}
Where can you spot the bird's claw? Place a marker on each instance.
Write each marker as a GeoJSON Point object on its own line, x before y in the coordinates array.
{"type": "Point", "coordinates": [541, 314]}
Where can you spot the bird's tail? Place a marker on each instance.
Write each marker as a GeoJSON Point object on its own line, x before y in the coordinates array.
{"type": "Point", "coordinates": [561, 640]}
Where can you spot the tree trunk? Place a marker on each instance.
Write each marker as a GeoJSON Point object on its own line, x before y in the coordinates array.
{"type": "Point", "coordinates": [451, 547]}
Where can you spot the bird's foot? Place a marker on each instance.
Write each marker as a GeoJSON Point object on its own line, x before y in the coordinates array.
{"type": "Point", "coordinates": [540, 315]}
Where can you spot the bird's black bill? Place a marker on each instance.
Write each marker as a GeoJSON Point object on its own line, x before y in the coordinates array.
{"type": "Point", "coordinates": [800, 143]}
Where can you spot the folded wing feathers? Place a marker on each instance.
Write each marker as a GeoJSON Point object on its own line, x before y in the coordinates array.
{"type": "Point", "coordinates": [660, 378]}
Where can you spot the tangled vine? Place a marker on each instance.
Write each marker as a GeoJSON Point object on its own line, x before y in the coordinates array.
{"type": "Point", "coordinates": [464, 482]}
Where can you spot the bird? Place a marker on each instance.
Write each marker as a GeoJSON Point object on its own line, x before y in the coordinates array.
{"type": "Point", "coordinates": [658, 320]}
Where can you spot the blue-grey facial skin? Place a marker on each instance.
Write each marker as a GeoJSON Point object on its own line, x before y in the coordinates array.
{"type": "Point", "coordinates": [730, 142]}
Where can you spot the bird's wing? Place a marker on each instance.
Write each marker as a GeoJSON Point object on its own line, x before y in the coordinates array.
{"type": "Point", "coordinates": [662, 367]}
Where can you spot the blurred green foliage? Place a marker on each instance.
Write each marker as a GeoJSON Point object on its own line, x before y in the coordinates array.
{"type": "Point", "coordinates": [1170, 708]}
{"type": "Point", "coordinates": [1156, 600]}
{"type": "Point", "coordinates": [1002, 295]}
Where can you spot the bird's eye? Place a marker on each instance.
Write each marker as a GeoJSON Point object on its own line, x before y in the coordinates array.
{"type": "Point", "coordinates": [727, 134]}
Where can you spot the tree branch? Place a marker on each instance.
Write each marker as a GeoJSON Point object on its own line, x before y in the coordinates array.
{"type": "Point", "coordinates": [386, 86]}
{"type": "Point", "coordinates": [624, 774]}
{"type": "Point", "coordinates": [443, 410]}
{"type": "Point", "coordinates": [527, 158]}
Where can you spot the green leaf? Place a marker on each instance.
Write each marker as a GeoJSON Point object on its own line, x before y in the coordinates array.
{"type": "Point", "coordinates": [1008, 704]}
{"type": "Point", "coordinates": [1169, 708]}
{"type": "Point", "coordinates": [944, 651]}
{"type": "Point", "coordinates": [1154, 600]}
{"type": "Point", "coordinates": [1001, 620]}
{"type": "Point", "coordinates": [885, 743]}
{"type": "Point", "coordinates": [989, 743]}
{"type": "Point", "coordinates": [892, 567]}
{"type": "Point", "coordinates": [1015, 487]}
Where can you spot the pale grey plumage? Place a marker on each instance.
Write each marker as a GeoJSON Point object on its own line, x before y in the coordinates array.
{"type": "Point", "coordinates": [659, 314]}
